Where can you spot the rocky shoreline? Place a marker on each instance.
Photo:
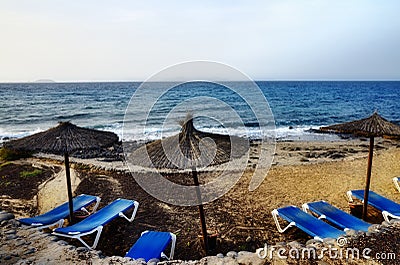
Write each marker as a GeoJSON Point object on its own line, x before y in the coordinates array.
{"type": "Point", "coordinates": [20, 245]}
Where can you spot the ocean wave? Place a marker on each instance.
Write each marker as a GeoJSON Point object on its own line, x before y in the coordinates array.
{"type": "Point", "coordinates": [73, 116]}
{"type": "Point", "coordinates": [297, 107]}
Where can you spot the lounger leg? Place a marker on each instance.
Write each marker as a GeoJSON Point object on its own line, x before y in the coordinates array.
{"type": "Point", "coordinates": [83, 209]}
{"type": "Point", "coordinates": [121, 214]}
{"type": "Point", "coordinates": [305, 207]}
{"type": "Point", "coordinates": [173, 238]}
{"type": "Point", "coordinates": [96, 240]}
{"type": "Point", "coordinates": [172, 251]}
{"type": "Point", "coordinates": [349, 196]}
{"type": "Point", "coordinates": [94, 207]}
{"type": "Point", "coordinates": [386, 216]}
{"type": "Point", "coordinates": [60, 223]}
{"type": "Point", "coordinates": [275, 215]}
{"type": "Point", "coordinates": [396, 183]}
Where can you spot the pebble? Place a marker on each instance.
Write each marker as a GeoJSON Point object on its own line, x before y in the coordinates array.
{"type": "Point", "coordinates": [351, 232]}
{"type": "Point", "coordinates": [30, 251]}
{"type": "Point", "coordinates": [53, 238]}
{"type": "Point", "coordinates": [249, 258]}
{"type": "Point", "coordinates": [34, 234]}
{"type": "Point", "coordinates": [10, 237]}
{"type": "Point", "coordinates": [295, 244]}
{"type": "Point", "coordinates": [153, 262]}
{"type": "Point", "coordinates": [232, 254]}
{"type": "Point", "coordinates": [220, 255]}
{"type": "Point", "coordinates": [62, 243]}
{"type": "Point", "coordinates": [14, 223]}
{"type": "Point", "coordinates": [9, 232]}
{"type": "Point", "coordinates": [243, 253]}
{"type": "Point", "coordinates": [395, 221]}
{"type": "Point", "coordinates": [20, 243]}
{"type": "Point", "coordinates": [312, 242]}
{"type": "Point", "coordinates": [374, 227]}
{"type": "Point", "coordinates": [142, 260]}
{"type": "Point", "coordinates": [82, 249]}
{"type": "Point", "coordinates": [4, 216]}
{"type": "Point", "coordinates": [329, 241]}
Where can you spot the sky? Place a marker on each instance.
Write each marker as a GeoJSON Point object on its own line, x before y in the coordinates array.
{"type": "Point", "coordinates": [99, 40]}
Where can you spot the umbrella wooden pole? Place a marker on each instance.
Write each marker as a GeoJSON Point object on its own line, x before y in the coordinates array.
{"type": "Point", "coordinates": [368, 179]}
{"type": "Point", "coordinates": [69, 188]}
{"type": "Point", "coordinates": [201, 211]}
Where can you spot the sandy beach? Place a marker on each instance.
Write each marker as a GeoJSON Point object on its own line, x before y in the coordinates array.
{"type": "Point", "coordinates": [301, 172]}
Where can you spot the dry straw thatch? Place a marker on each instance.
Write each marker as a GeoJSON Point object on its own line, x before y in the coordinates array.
{"type": "Point", "coordinates": [64, 138]}
{"type": "Point", "coordinates": [190, 148]}
{"type": "Point", "coordinates": [373, 126]}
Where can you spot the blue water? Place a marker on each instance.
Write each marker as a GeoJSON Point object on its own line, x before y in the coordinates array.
{"type": "Point", "coordinates": [27, 108]}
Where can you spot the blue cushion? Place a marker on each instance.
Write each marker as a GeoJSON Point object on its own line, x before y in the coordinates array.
{"type": "Point", "coordinates": [99, 218]}
{"type": "Point", "coordinates": [60, 212]}
{"type": "Point", "coordinates": [379, 202]}
{"type": "Point", "coordinates": [308, 223]}
{"type": "Point", "coordinates": [150, 245]}
{"type": "Point", "coordinates": [338, 217]}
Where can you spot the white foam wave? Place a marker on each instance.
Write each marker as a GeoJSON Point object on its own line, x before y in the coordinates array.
{"type": "Point", "coordinates": [295, 133]}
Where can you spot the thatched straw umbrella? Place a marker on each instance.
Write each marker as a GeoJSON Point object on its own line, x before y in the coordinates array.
{"type": "Point", "coordinates": [373, 126]}
{"type": "Point", "coordinates": [191, 149]}
{"type": "Point", "coordinates": [62, 140]}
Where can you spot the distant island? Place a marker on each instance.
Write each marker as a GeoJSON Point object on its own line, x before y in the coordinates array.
{"type": "Point", "coordinates": [44, 81]}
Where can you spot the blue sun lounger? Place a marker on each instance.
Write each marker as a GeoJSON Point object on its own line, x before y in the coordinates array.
{"type": "Point", "coordinates": [396, 181]}
{"type": "Point", "coordinates": [95, 222]}
{"type": "Point", "coordinates": [152, 244]}
{"type": "Point", "coordinates": [387, 207]}
{"type": "Point", "coordinates": [306, 222]}
{"type": "Point", "coordinates": [336, 216]}
{"type": "Point", "coordinates": [57, 215]}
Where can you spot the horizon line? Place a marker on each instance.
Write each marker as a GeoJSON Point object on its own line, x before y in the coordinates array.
{"type": "Point", "coordinates": [256, 80]}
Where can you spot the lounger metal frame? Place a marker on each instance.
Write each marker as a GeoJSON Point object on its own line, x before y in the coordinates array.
{"type": "Point", "coordinates": [275, 215]}
{"type": "Point", "coordinates": [60, 222]}
{"type": "Point", "coordinates": [307, 210]}
{"type": "Point", "coordinates": [99, 229]}
{"type": "Point", "coordinates": [40, 226]}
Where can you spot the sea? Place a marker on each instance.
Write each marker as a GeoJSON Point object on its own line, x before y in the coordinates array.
{"type": "Point", "coordinates": [297, 107]}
